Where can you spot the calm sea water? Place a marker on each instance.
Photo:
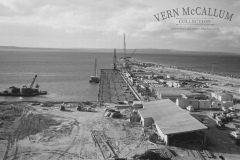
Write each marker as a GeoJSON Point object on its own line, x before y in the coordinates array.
{"type": "Point", "coordinates": [64, 74]}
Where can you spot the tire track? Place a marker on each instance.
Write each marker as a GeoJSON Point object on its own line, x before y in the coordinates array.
{"type": "Point", "coordinates": [76, 123]}
{"type": "Point", "coordinates": [14, 135]}
{"type": "Point", "coordinates": [8, 147]}
{"type": "Point", "coordinates": [58, 152]}
{"type": "Point", "coordinates": [58, 156]}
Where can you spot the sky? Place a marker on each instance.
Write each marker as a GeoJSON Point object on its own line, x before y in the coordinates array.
{"type": "Point", "coordinates": [102, 23]}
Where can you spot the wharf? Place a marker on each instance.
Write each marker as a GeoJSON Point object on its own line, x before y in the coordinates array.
{"type": "Point", "coordinates": [113, 88]}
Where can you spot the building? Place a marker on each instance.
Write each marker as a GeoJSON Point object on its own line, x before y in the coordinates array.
{"type": "Point", "coordinates": [171, 93]}
{"type": "Point", "coordinates": [204, 104]}
{"type": "Point", "coordinates": [195, 103]}
{"type": "Point", "coordinates": [222, 96]}
{"type": "Point", "coordinates": [184, 103]}
{"type": "Point", "coordinates": [196, 96]}
{"type": "Point", "coordinates": [143, 74]}
{"type": "Point", "coordinates": [216, 104]}
{"type": "Point", "coordinates": [227, 104]}
{"type": "Point", "coordinates": [172, 122]}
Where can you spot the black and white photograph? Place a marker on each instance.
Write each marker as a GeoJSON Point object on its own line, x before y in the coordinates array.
{"type": "Point", "coordinates": [119, 79]}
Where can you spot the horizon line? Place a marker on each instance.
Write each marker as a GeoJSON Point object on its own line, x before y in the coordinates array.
{"type": "Point", "coordinates": [114, 48]}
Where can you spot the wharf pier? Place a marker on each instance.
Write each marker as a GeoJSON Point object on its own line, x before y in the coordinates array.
{"type": "Point", "coordinates": [113, 88]}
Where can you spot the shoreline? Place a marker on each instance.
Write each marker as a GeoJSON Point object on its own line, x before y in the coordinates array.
{"type": "Point", "coordinates": [187, 69]}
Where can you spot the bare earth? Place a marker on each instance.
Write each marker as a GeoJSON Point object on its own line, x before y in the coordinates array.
{"type": "Point", "coordinates": [48, 133]}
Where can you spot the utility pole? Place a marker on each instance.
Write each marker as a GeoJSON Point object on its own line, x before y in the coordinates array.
{"type": "Point", "coordinates": [124, 46]}
{"type": "Point", "coordinates": [114, 60]}
{"type": "Point", "coordinates": [125, 53]}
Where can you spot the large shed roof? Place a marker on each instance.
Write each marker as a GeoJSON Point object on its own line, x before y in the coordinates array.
{"type": "Point", "coordinates": [170, 118]}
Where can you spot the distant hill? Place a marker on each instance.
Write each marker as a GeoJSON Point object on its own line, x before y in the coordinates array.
{"type": "Point", "coordinates": [129, 51]}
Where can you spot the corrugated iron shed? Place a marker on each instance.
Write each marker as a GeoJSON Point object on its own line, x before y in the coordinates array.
{"type": "Point", "coordinates": [170, 118]}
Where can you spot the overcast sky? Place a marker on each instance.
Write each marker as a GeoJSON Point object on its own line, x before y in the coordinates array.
{"type": "Point", "coordinates": [101, 24]}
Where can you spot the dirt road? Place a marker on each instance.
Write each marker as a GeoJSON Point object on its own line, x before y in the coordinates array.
{"type": "Point", "coordinates": [48, 133]}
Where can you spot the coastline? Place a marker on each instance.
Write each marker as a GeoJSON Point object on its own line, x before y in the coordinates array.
{"type": "Point", "coordinates": [157, 65]}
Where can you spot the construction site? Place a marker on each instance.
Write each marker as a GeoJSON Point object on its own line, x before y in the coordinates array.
{"type": "Point", "coordinates": [111, 129]}
{"type": "Point", "coordinates": [44, 131]}
{"type": "Point", "coordinates": [141, 114]}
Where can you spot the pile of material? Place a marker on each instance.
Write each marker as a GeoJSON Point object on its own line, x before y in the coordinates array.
{"type": "Point", "coordinates": [85, 109]}
{"type": "Point", "coordinates": [160, 154]}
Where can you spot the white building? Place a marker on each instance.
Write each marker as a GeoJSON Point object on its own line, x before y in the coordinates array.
{"type": "Point", "coordinates": [184, 103]}
{"type": "Point", "coordinates": [169, 120]}
{"type": "Point", "coordinates": [222, 96]}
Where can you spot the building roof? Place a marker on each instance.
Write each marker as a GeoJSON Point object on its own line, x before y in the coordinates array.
{"type": "Point", "coordinates": [170, 118]}
{"type": "Point", "coordinates": [223, 94]}
{"type": "Point", "coordinates": [174, 91]}
{"type": "Point", "coordinates": [142, 73]}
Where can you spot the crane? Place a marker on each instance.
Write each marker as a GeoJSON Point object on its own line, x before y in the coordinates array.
{"type": "Point", "coordinates": [126, 62]}
{"type": "Point", "coordinates": [132, 54]}
{"type": "Point", "coordinates": [33, 81]}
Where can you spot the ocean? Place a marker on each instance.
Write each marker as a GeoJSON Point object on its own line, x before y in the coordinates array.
{"type": "Point", "coordinates": [64, 73]}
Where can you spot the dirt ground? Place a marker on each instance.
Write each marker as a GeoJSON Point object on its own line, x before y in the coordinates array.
{"type": "Point", "coordinates": [47, 133]}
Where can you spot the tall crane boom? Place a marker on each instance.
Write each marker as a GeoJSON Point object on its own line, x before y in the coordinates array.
{"type": "Point", "coordinates": [124, 46]}
{"type": "Point", "coordinates": [33, 81]}
{"type": "Point", "coordinates": [133, 53]}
